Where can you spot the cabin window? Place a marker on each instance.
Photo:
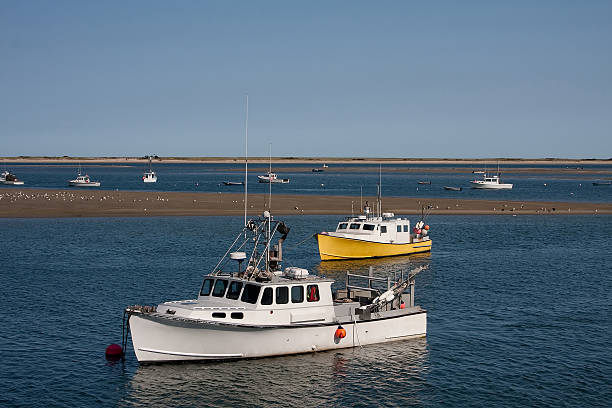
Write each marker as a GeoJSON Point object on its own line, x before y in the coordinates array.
{"type": "Point", "coordinates": [342, 225]}
{"type": "Point", "coordinates": [234, 290]}
{"type": "Point", "coordinates": [218, 315]}
{"type": "Point", "coordinates": [250, 293]}
{"type": "Point", "coordinates": [219, 289]}
{"type": "Point", "coordinates": [206, 287]}
{"type": "Point", "coordinates": [282, 295]}
{"type": "Point", "coordinates": [405, 228]}
{"type": "Point", "coordinates": [266, 298]}
{"type": "Point", "coordinates": [313, 293]}
{"type": "Point", "coordinates": [355, 226]}
{"type": "Point", "coordinates": [383, 229]}
{"type": "Point", "coordinates": [237, 315]}
{"type": "Point", "coordinates": [399, 228]}
{"type": "Point", "coordinates": [297, 294]}
{"type": "Point", "coordinates": [368, 227]}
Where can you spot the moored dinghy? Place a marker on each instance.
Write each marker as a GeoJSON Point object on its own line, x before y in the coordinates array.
{"type": "Point", "coordinates": [264, 310]}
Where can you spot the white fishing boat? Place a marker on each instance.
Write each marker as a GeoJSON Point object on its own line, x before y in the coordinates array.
{"type": "Point", "coordinates": [149, 175]}
{"type": "Point", "coordinates": [489, 182]}
{"type": "Point", "coordinates": [265, 310]}
{"type": "Point", "coordinates": [10, 179]}
{"type": "Point", "coordinates": [270, 177]}
{"type": "Point", "coordinates": [83, 180]}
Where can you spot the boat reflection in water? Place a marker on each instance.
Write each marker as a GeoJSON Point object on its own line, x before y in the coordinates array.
{"type": "Point", "coordinates": [377, 375]}
{"type": "Point", "coordinates": [381, 266]}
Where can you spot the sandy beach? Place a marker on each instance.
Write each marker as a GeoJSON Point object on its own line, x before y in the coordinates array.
{"type": "Point", "coordinates": [43, 203]}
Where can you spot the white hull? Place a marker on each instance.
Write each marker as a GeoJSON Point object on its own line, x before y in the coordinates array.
{"type": "Point", "coordinates": [79, 184]}
{"type": "Point", "coordinates": [149, 180]}
{"type": "Point", "coordinates": [266, 180]}
{"type": "Point", "coordinates": [490, 186]}
{"type": "Point", "coordinates": [12, 183]}
{"type": "Point", "coordinates": [165, 339]}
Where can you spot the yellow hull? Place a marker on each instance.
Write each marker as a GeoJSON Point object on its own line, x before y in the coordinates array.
{"type": "Point", "coordinates": [334, 248]}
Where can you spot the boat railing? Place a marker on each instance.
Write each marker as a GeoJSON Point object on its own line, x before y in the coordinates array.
{"type": "Point", "coordinates": [353, 291]}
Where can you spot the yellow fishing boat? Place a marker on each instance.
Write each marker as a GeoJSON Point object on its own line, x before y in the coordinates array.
{"type": "Point", "coordinates": [368, 236]}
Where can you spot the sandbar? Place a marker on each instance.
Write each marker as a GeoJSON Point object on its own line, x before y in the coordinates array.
{"type": "Point", "coordinates": [58, 203]}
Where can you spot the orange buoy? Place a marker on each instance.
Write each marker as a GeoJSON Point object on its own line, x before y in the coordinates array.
{"type": "Point", "coordinates": [402, 305]}
{"type": "Point", "coordinates": [426, 227]}
{"type": "Point", "coordinates": [340, 332]}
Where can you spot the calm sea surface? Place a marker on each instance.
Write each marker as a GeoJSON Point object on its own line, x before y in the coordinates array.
{"type": "Point", "coordinates": [519, 314]}
{"type": "Point", "coordinates": [557, 185]}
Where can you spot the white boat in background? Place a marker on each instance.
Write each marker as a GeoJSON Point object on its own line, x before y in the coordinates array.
{"type": "Point", "coordinates": [490, 183]}
{"type": "Point", "coordinates": [10, 179]}
{"type": "Point", "coordinates": [263, 310]}
{"type": "Point", "coordinates": [149, 175]}
{"type": "Point", "coordinates": [270, 177]}
{"type": "Point", "coordinates": [83, 180]}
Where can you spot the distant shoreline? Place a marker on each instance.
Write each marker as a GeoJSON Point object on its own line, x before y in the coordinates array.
{"type": "Point", "coordinates": [60, 203]}
{"type": "Point", "coordinates": [302, 160]}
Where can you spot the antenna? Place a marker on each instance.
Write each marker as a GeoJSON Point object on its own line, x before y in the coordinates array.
{"type": "Point", "coordinates": [270, 180]}
{"type": "Point", "coordinates": [360, 198]}
{"type": "Point", "coordinates": [379, 189]}
{"type": "Point", "coordinates": [246, 159]}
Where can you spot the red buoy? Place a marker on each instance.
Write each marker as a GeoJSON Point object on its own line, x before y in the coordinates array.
{"type": "Point", "coordinates": [114, 352]}
{"type": "Point", "coordinates": [402, 305]}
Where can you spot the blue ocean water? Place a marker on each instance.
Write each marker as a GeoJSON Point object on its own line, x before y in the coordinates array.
{"type": "Point", "coordinates": [519, 314]}
{"type": "Point", "coordinates": [556, 186]}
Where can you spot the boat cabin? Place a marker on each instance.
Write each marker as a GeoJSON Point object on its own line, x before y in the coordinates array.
{"type": "Point", "coordinates": [386, 228]}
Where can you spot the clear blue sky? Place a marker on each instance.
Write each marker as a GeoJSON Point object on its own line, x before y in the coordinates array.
{"type": "Point", "coordinates": [324, 78]}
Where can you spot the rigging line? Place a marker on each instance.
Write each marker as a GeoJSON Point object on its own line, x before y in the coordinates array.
{"type": "Point", "coordinates": [355, 333]}
{"type": "Point", "coordinates": [228, 251]}
{"type": "Point", "coordinates": [301, 242]}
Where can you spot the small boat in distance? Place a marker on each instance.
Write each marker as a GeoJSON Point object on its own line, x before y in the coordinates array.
{"type": "Point", "coordinates": [602, 183]}
{"type": "Point", "coordinates": [478, 172]}
{"type": "Point", "coordinates": [317, 170]}
{"type": "Point", "coordinates": [270, 177]}
{"type": "Point", "coordinates": [149, 175]}
{"type": "Point", "coordinates": [234, 183]}
{"type": "Point", "coordinates": [453, 188]}
{"type": "Point", "coordinates": [10, 179]}
{"type": "Point", "coordinates": [490, 183]}
{"type": "Point", "coordinates": [325, 166]}
{"type": "Point", "coordinates": [83, 180]}
{"type": "Point", "coordinates": [424, 182]}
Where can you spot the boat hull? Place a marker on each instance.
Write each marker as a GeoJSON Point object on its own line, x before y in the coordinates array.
{"type": "Point", "coordinates": [158, 340]}
{"type": "Point", "coordinates": [336, 248]}
{"type": "Point", "coordinates": [91, 184]}
{"type": "Point", "coordinates": [491, 186]}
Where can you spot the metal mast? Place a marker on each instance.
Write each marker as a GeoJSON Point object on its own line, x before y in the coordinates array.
{"type": "Point", "coordinates": [246, 159]}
